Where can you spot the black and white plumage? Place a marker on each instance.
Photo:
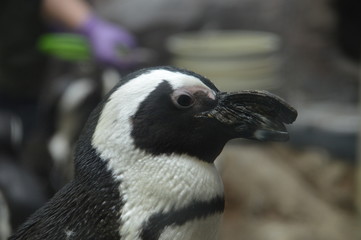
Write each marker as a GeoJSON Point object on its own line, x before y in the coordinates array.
{"type": "Point", "coordinates": [144, 163]}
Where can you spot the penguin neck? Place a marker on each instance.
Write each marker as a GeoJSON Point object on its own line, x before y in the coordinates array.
{"type": "Point", "coordinates": [161, 187]}
{"type": "Point", "coordinates": [175, 173]}
{"type": "Point", "coordinates": [149, 185]}
{"type": "Point", "coordinates": [141, 168]}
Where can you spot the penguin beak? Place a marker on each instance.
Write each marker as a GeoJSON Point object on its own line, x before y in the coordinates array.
{"type": "Point", "coordinates": [253, 114]}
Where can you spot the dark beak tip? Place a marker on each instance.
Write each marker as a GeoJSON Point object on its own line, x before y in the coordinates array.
{"type": "Point", "coordinates": [292, 116]}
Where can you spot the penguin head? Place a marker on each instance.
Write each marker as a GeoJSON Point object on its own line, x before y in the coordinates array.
{"type": "Point", "coordinates": [166, 110]}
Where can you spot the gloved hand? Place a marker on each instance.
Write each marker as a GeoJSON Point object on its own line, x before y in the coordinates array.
{"type": "Point", "coordinates": [109, 42]}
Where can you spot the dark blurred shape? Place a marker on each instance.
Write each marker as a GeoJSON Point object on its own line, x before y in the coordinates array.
{"type": "Point", "coordinates": [11, 131]}
{"type": "Point", "coordinates": [20, 26]}
{"type": "Point", "coordinates": [348, 27]}
{"type": "Point", "coordinates": [62, 112]}
{"type": "Point", "coordinates": [21, 189]}
{"type": "Point", "coordinates": [5, 228]}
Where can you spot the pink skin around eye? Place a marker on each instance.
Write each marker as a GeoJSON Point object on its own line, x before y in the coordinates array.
{"type": "Point", "coordinates": [211, 94]}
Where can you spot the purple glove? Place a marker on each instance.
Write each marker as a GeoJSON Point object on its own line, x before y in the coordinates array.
{"type": "Point", "coordinates": [107, 41]}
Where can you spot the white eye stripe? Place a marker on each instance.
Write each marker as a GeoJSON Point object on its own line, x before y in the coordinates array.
{"type": "Point", "coordinates": [193, 89]}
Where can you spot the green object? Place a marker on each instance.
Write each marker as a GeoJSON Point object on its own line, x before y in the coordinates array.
{"type": "Point", "coordinates": [66, 46]}
{"type": "Point", "coordinates": [75, 47]}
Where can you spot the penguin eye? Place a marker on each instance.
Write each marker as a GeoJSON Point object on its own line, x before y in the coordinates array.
{"type": "Point", "coordinates": [185, 100]}
{"type": "Point", "coordinates": [182, 99]}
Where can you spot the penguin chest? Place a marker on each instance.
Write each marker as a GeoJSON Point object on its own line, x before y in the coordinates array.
{"type": "Point", "coordinates": [172, 198]}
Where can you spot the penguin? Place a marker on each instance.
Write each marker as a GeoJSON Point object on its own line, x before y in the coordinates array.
{"type": "Point", "coordinates": [144, 163]}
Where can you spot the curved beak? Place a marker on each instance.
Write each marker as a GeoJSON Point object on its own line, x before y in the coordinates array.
{"type": "Point", "coordinates": [253, 114]}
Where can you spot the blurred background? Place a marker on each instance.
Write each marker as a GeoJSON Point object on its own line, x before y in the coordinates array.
{"type": "Point", "coordinates": [59, 58]}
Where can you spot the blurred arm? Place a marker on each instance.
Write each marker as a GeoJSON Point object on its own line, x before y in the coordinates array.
{"type": "Point", "coordinates": [105, 38]}
{"type": "Point", "coordinates": [71, 13]}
